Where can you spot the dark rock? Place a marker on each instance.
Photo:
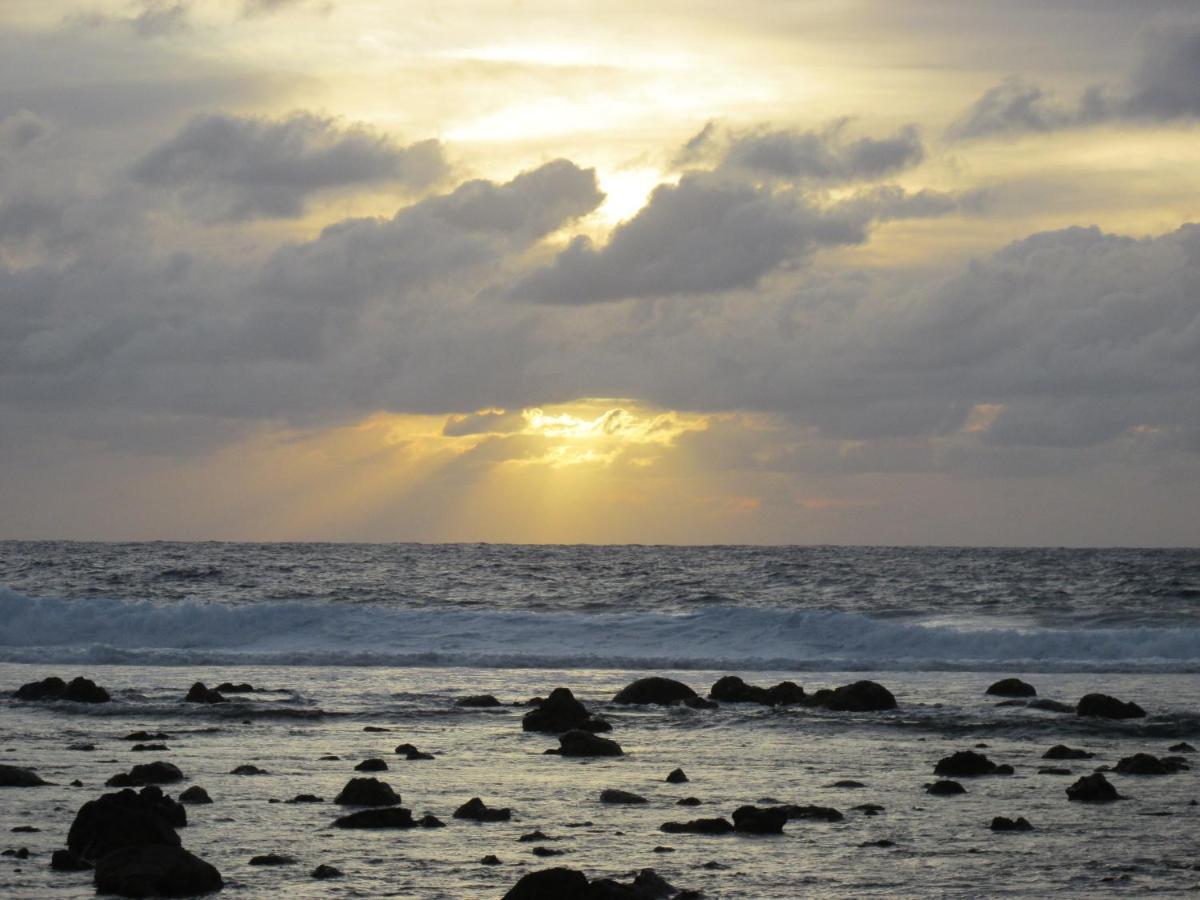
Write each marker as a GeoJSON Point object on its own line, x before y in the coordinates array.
{"type": "Point", "coordinates": [19, 853]}
{"type": "Point", "coordinates": [1050, 706]}
{"type": "Point", "coordinates": [862, 696]}
{"type": "Point", "coordinates": [430, 821]}
{"type": "Point", "coordinates": [375, 729]}
{"type": "Point", "coordinates": [226, 688]}
{"type": "Point", "coordinates": [847, 783]}
{"type": "Point", "coordinates": [371, 765]}
{"type": "Point", "coordinates": [80, 690]}
{"type": "Point", "coordinates": [195, 795]}
{"type": "Point", "coordinates": [272, 859]}
{"type": "Point", "coordinates": [688, 801]}
{"type": "Point", "coordinates": [661, 849]}
{"type": "Point", "coordinates": [303, 798]}
{"type": "Point", "coordinates": [676, 776]}
{"type": "Point", "coordinates": [85, 748]}
{"type": "Point", "coordinates": [700, 703]}
{"type": "Point", "coordinates": [491, 860]}
{"type": "Point", "coordinates": [562, 712]}
{"type": "Point", "coordinates": [147, 736]}
{"type": "Point", "coordinates": [119, 820]}
{"type": "Point", "coordinates": [66, 861]}
{"type": "Point", "coordinates": [1183, 747]}
{"type": "Point", "coordinates": [481, 701]}
{"type": "Point", "coordinates": [198, 693]}
{"type": "Point", "coordinates": [155, 870]}
{"type": "Point", "coordinates": [322, 872]}
{"type": "Point", "coordinates": [145, 748]}
{"type": "Point", "coordinates": [147, 773]}
{"type": "Point", "coordinates": [882, 842]}
{"type": "Point", "coordinates": [968, 764]}
{"type": "Point", "coordinates": [533, 836]}
{"type": "Point", "coordinates": [655, 689]}
{"type": "Point", "coordinates": [379, 817]}
{"type": "Point", "coordinates": [712, 865]}
{"type": "Point", "coordinates": [248, 769]}
{"type": "Point", "coordinates": [945, 788]}
{"type": "Point", "coordinates": [408, 751]}
{"type": "Point", "coordinates": [476, 810]}
{"type": "Point", "coordinates": [1093, 788]}
{"type": "Point", "coordinates": [550, 884]}
{"type": "Point", "coordinates": [1105, 707]}
{"type": "Point", "coordinates": [1053, 770]}
{"type": "Point", "coordinates": [756, 820]}
{"type": "Point", "coordinates": [25, 829]}
{"type": "Point", "coordinates": [732, 689]}
{"type": "Point", "coordinates": [51, 688]}
{"type": "Point", "coordinates": [1012, 687]}
{"type": "Point", "coordinates": [1145, 764]}
{"type": "Point", "coordinates": [328, 757]}
{"type": "Point", "coordinates": [367, 792]}
{"type": "Point", "coordinates": [812, 813]}
{"type": "Point", "coordinates": [648, 885]}
{"type": "Point", "coordinates": [584, 743]}
{"type": "Point", "coordinates": [1061, 751]}
{"type": "Point", "coordinates": [1003, 823]}
{"type": "Point", "coordinates": [786, 693]}
{"type": "Point", "coordinates": [698, 826]}
{"type": "Point", "coordinates": [612, 795]}
{"type": "Point", "coordinates": [546, 851]}
{"type": "Point", "coordinates": [15, 776]}
{"type": "Point", "coordinates": [76, 783]}
{"type": "Point", "coordinates": [869, 809]}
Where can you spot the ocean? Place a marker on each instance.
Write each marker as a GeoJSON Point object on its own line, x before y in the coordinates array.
{"type": "Point", "coordinates": [339, 638]}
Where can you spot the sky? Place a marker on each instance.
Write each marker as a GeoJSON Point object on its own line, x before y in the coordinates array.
{"type": "Point", "coordinates": [815, 272]}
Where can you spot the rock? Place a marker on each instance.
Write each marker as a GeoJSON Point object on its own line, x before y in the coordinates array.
{"type": "Point", "coordinates": [198, 693]}
{"type": "Point", "coordinates": [408, 751]}
{"type": "Point", "coordinates": [367, 792]}
{"type": "Point", "coordinates": [375, 729]}
{"type": "Point", "coordinates": [491, 860]}
{"type": "Point", "coordinates": [147, 748]}
{"type": "Point", "coordinates": [119, 820]}
{"type": "Point", "coordinates": [19, 853]}
{"type": "Point", "coordinates": [869, 809]}
{"type": "Point", "coordinates": [732, 689]}
{"type": "Point", "coordinates": [531, 837]}
{"type": "Point", "coordinates": [379, 817]}
{"type": "Point", "coordinates": [862, 696]}
{"type": "Point", "coordinates": [550, 884]}
{"type": "Point", "coordinates": [1053, 770]}
{"type": "Point", "coordinates": [430, 821]}
{"type": "Point", "coordinates": [688, 801]}
{"type": "Point", "coordinates": [1012, 687]}
{"type": "Point", "coordinates": [226, 688]}
{"type": "Point", "coordinates": [66, 861]}
{"type": "Point", "coordinates": [698, 826]}
{"type": "Point", "coordinates": [84, 748]}
{"type": "Point", "coordinates": [248, 769]}
{"type": "Point", "coordinates": [147, 773]}
{"type": "Point", "coordinates": [155, 870]}
{"type": "Point", "coordinates": [195, 795]}
{"type": "Point", "coordinates": [648, 885]}
{"type": "Point", "coordinates": [84, 690]}
{"type": "Point", "coordinates": [323, 872]}
{"type": "Point", "coordinates": [561, 712]}
{"type": "Point", "coordinates": [700, 703]}
{"type": "Point", "coordinates": [968, 764]}
{"type": "Point", "coordinates": [612, 795]}
{"type": "Point", "coordinates": [882, 842]}
{"type": "Point", "coordinates": [676, 776]}
{"type": "Point", "coordinates": [848, 783]}
{"type": "Point", "coordinates": [812, 813]}
{"type": "Point", "coordinates": [51, 688]}
{"type": "Point", "coordinates": [476, 810]}
{"type": "Point", "coordinates": [482, 701]}
{"type": "Point", "coordinates": [328, 757]}
{"type": "Point", "coordinates": [546, 851]}
{"type": "Point", "coordinates": [655, 689]}
{"type": "Point", "coordinates": [755, 820]}
{"type": "Point", "coordinates": [25, 829]}
{"type": "Point", "coordinates": [147, 736]}
{"type": "Point", "coordinates": [1146, 764]}
{"type": "Point", "coordinates": [303, 798]}
{"type": "Point", "coordinates": [371, 765]}
{"type": "Point", "coordinates": [272, 859]}
{"type": "Point", "coordinates": [1183, 747]}
{"type": "Point", "coordinates": [80, 690]}
{"type": "Point", "coordinates": [1105, 707]}
{"type": "Point", "coordinates": [1050, 706]}
{"type": "Point", "coordinates": [584, 743]}
{"type": "Point", "coordinates": [15, 776]}
{"type": "Point", "coordinates": [945, 788]}
{"type": "Point", "coordinates": [1093, 788]}
{"type": "Point", "coordinates": [1062, 751]}
{"type": "Point", "coordinates": [1002, 823]}
{"type": "Point", "coordinates": [76, 783]}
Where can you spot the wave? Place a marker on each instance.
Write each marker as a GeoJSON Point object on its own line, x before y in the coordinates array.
{"type": "Point", "coordinates": [114, 631]}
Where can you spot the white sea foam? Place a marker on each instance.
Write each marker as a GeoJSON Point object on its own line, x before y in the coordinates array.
{"type": "Point", "coordinates": [295, 633]}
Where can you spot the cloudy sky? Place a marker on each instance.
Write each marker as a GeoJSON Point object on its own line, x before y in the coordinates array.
{"type": "Point", "coordinates": [822, 271]}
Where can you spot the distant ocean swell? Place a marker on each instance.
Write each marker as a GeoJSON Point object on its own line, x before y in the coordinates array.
{"type": "Point", "coordinates": [117, 631]}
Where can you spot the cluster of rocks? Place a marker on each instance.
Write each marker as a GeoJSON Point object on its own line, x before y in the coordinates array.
{"type": "Point", "coordinates": [78, 690]}
{"type": "Point", "coordinates": [569, 884]}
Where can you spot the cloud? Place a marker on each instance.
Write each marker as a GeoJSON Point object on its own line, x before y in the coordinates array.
{"type": "Point", "coordinates": [21, 130]}
{"type": "Point", "coordinates": [231, 168]}
{"type": "Point", "coordinates": [155, 18]}
{"type": "Point", "coordinates": [253, 8]}
{"type": "Point", "coordinates": [1163, 86]}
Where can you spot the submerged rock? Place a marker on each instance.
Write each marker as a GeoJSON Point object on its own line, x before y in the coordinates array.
{"type": "Point", "coordinates": [812, 813]}
{"type": "Point", "coordinates": [66, 861]}
{"type": "Point", "coordinates": [195, 795]}
{"type": "Point", "coordinates": [677, 776]}
{"type": "Point", "coordinates": [199, 693]}
{"type": "Point", "coordinates": [584, 743]}
{"type": "Point", "coordinates": [561, 712]}
{"type": "Point", "coordinates": [148, 773]}
{"type": "Point", "coordinates": [379, 817]}
{"type": "Point", "coordinates": [756, 820]}
{"type": "Point", "coordinates": [732, 689]}
{"type": "Point", "coordinates": [248, 769]}
{"type": "Point", "coordinates": [1093, 788]}
{"type": "Point", "coordinates": [367, 792]}
{"type": "Point", "coordinates": [482, 701]}
{"type": "Point", "coordinates": [145, 748]}
{"type": "Point", "coordinates": [272, 859]}
{"type": "Point", "coordinates": [1003, 823]}
{"type": "Point", "coordinates": [323, 872]}
{"type": "Point", "coordinates": [1182, 747]}
{"type": "Point", "coordinates": [1146, 764]}
{"type": "Point", "coordinates": [410, 752]}
{"type": "Point", "coordinates": [147, 736]}
{"type": "Point", "coordinates": [654, 690]}
{"type": "Point", "coordinates": [15, 776]}
{"type": "Point", "coordinates": [862, 696]}
{"type": "Point", "coordinates": [1105, 707]}
{"type": "Point", "coordinates": [1062, 751]}
{"type": "Point", "coordinates": [1012, 687]}
{"type": "Point", "coordinates": [550, 884]}
{"type": "Point", "coordinates": [969, 764]}
{"type": "Point", "coordinates": [79, 690]}
{"type": "Point", "coordinates": [476, 810]}
{"type": "Point", "coordinates": [612, 795]}
{"type": "Point", "coordinates": [306, 798]}
{"type": "Point", "coordinates": [1050, 705]}
{"type": "Point", "coordinates": [155, 870]}
{"type": "Point", "coordinates": [945, 788]}
{"type": "Point", "coordinates": [226, 687]}
{"type": "Point", "coordinates": [371, 765]}
{"type": "Point", "coordinates": [698, 826]}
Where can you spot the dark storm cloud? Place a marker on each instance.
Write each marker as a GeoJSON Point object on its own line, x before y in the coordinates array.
{"type": "Point", "coordinates": [228, 168]}
{"type": "Point", "coordinates": [1163, 86]}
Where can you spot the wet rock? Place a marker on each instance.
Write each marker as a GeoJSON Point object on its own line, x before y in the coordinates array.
{"type": "Point", "coordinates": [968, 764]}
{"type": "Point", "coordinates": [1093, 788]}
{"type": "Point", "coordinates": [491, 860]}
{"type": "Point", "coordinates": [848, 783]}
{"type": "Point", "coordinates": [25, 829]}
{"type": "Point", "coordinates": [869, 809]}
{"type": "Point", "coordinates": [661, 849]}
{"type": "Point", "coordinates": [410, 752]}
{"type": "Point", "coordinates": [84, 690]}
{"type": "Point", "coordinates": [379, 817]}
{"type": "Point", "coordinates": [756, 820]}
{"type": "Point", "coordinates": [647, 885]}
{"type": "Point", "coordinates": [1061, 751]}
{"type": "Point", "coordinates": [199, 693]}
{"type": "Point", "coordinates": [862, 696]}
{"type": "Point", "coordinates": [1012, 687]}
{"type": "Point", "coordinates": [248, 769]}
{"type": "Point", "coordinates": [698, 826]}
{"type": "Point", "coordinates": [1146, 764]}
{"type": "Point", "coordinates": [562, 712]}
{"type": "Point", "coordinates": [476, 810]}
{"type": "Point", "coordinates": [226, 687]}
{"type": "Point", "coordinates": [712, 865]}
{"type": "Point", "coordinates": [1053, 770]}
{"type": "Point", "coordinates": [1183, 747]}
{"type": "Point", "coordinates": [301, 798]}
{"type": "Point", "coordinates": [76, 783]}
{"type": "Point", "coordinates": [732, 689]}
{"type": "Point", "coordinates": [375, 729]}
{"type": "Point", "coordinates": [51, 688]}
{"type": "Point", "coordinates": [83, 748]}
{"type": "Point", "coordinates": [147, 773]}
{"type": "Point", "coordinates": [146, 748]}
{"type": "Point", "coordinates": [612, 795]}
{"type": "Point", "coordinates": [147, 736]}
{"type": "Point", "coordinates": [119, 820]}
{"type": "Point", "coordinates": [699, 703]}
{"type": "Point", "coordinates": [654, 690]}
{"type": "Point", "coordinates": [323, 872]}
{"type": "Point", "coordinates": [1003, 823]}
{"type": "Point", "coordinates": [676, 776]}
{"type": "Point", "coordinates": [80, 690]}
{"type": "Point", "coordinates": [550, 884]}
{"type": "Point", "coordinates": [533, 836]}
{"type": "Point", "coordinates": [430, 821]}
{"type": "Point", "coordinates": [882, 842]}
{"type": "Point", "coordinates": [328, 757]}
{"type": "Point", "coordinates": [155, 870]}
{"type": "Point", "coordinates": [1050, 706]}
{"type": "Point", "coordinates": [584, 743]}
{"type": "Point", "coordinates": [1105, 707]}
{"type": "Point", "coordinates": [371, 765]}
{"type": "Point", "coordinates": [546, 851]}
{"type": "Point", "coordinates": [481, 701]}
{"type": "Point", "coordinates": [812, 813]}
{"type": "Point", "coordinates": [195, 795]}
{"type": "Point", "coordinates": [66, 861]}
{"type": "Point", "coordinates": [272, 859]}
{"type": "Point", "coordinates": [945, 788]}
{"type": "Point", "coordinates": [19, 853]}
{"type": "Point", "coordinates": [15, 776]}
{"type": "Point", "coordinates": [367, 792]}
{"type": "Point", "coordinates": [688, 801]}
